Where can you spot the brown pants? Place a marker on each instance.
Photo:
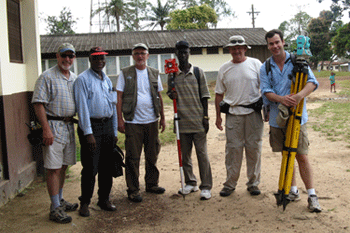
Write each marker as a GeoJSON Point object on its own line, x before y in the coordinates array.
{"type": "Point", "coordinates": [138, 135]}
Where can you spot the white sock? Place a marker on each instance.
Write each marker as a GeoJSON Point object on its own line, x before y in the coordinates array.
{"type": "Point", "coordinates": [311, 192]}
{"type": "Point", "coordinates": [294, 189]}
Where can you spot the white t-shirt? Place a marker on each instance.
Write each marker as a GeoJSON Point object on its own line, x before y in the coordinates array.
{"type": "Point", "coordinates": [240, 83]}
{"type": "Point", "coordinates": [144, 112]}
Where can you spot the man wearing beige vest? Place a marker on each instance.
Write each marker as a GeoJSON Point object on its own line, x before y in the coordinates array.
{"type": "Point", "coordinates": [139, 107]}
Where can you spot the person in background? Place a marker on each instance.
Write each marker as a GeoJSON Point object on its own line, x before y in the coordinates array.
{"type": "Point", "coordinates": [332, 79]}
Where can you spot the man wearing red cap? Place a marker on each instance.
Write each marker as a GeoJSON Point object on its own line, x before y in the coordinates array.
{"type": "Point", "coordinates": [98, 128]}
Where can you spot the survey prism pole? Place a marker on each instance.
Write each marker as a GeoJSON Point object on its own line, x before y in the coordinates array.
{"type": "Point", "coordinates": [171, 68]}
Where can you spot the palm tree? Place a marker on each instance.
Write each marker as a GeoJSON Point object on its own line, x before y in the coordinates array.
{"type": "Point", "coordinates": [159, 15]}
{"type": "Point", "coordinates": [115, 11]}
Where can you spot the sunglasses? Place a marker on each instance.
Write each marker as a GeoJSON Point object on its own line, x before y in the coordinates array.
{"type": "Point", "coordinates": [67, 55]}
{"type": "Point", "coordinates": [236, 41]}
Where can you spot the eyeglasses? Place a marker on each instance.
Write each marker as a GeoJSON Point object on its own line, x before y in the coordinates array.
{"type": "Point", "coordinates": [142, 54]}
{"type": "Point", "coordinates": [63, 55]}
{"type": "Point", "coordinates": [236, 41]}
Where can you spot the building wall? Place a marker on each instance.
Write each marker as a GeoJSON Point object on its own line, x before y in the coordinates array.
{"type": "Point", "coordinates": [17, 80]}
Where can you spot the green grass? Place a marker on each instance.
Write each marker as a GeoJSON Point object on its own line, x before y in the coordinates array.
{"type": "Point", "coordinates": [327, 73]}
{"type": "Point", "coordinates": [332, 116]}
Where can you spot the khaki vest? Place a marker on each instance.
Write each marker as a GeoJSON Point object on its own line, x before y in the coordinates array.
{"type": "Point", "coordinates": [130, 91]}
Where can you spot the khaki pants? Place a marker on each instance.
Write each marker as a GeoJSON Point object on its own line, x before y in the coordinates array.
{"type": "Point", "coordinates": [136, 136]}
{"type": "Point", "coordinates": [243, 132]}
{"type": "Point", "coordinates": [200, 142]}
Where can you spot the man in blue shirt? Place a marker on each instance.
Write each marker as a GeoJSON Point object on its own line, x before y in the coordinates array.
{"type": "Point", "coordinates": [96, 101]}
{"type": "Point", "coordinates": [275, 85]}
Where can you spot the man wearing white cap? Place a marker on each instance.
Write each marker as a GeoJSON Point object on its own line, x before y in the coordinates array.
{"type": "Point", "coordinates": [139, 108]}
{"type": "Point", "coordinates": [54, 107]}
{"type": "Point", "coordinates": [237, 86]}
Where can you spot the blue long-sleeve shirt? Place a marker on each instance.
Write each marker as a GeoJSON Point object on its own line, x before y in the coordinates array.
{"type": "Point", "coordinates": [94, 98]}
{"type": "Point", "coordinates": [277, 82]}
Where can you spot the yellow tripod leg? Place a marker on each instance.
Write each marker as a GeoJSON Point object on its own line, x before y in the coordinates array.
{"type": "Point", "coordinates": [290, 144]}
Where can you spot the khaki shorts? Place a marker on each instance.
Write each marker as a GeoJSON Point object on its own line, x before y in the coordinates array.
{"type": "Point", "coordinates": [277, 136]}
{"type": "Point", "coordinates": [57, 155]}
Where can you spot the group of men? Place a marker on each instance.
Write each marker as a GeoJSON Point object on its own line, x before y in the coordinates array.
{"type": "Point", "coordinates": [135, 107]}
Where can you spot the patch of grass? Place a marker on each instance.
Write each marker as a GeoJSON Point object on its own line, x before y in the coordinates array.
{"type": "Point", "coordinates": [327, 73]}
{"type": "Point", "coordinates": [332, 117]}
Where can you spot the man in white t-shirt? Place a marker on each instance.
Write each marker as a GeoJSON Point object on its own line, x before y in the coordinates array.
{"type": "Point", "coordinates": [238, 86]}
{"type": "Point", "coordinates": [139, 107]}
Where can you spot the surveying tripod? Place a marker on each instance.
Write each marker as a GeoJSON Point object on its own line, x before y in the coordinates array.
{"type": "Point", "coordinates": [298, 78]}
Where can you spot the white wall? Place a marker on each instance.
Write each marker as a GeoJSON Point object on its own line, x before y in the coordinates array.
{"type": "Point", "coordinates": [210, 62]}
{"type": "Point", "coordinates": [20, 77]}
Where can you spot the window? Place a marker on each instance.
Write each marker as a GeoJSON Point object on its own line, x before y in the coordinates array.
{"type": "Point", "coordinates": [82, 64]}
{"type": "Point", "coordinates": [43, 65]}
{"type": "Point", "coordinates": [124, 61]}
{"type": "Point", "coordinates": [52, 63]}
{"type": "Point", "coordinates": [14, 31]}
{"type": "Point", "coordinates": [212, 50]}
{"type": "Point", "coordinates": [153, 61]}
{"type": "Point", "coordinates": [111, 66]}
{"type": "Point", "coordinates": [196, 51]}
{"type": "Point", "coordinates": [226, 50]}
{"type": "Point", "coordinates": [163, 57]}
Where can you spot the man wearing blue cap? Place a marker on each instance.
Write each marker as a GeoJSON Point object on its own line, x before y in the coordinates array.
{"type": "Point", "coordinates": [54, 107]}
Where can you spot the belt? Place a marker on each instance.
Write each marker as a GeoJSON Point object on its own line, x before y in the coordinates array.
{"type": "Point", "coordinates": [100, 120]}
{"type": "Point", "coordinates": [65, 119]}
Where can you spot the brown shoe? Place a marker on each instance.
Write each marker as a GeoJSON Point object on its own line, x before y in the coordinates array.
{"type": "Point", "coordinates": [155, 189]}
{"type": "Point", "coordinates": [106, 205]}
{"type": "Point", "coordinates": [84, 210]}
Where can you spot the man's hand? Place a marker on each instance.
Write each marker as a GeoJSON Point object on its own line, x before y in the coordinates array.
{"type": "Point", "coordinates": [91, 142]}
{"type": "Point", "coordinates": [206, 124]}
{"type": "Point", "coordinates": [121, 125]}
{"type": "Point", "coordinates": [48, 137]}
{"type": "Point", "coordinates": [162, 124]}
{"type": "Point", "coordinates": [218, 123]}
{"type": "Point", "coordinates": [172, 94]}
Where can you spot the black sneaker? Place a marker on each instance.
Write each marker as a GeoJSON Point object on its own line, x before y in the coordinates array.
{"type": "Point", "coordinates": [254, 190]}
{"type": "Point", "coordinates": [67, 206]}
{"type": "Point", "coordinates": [58, 215]}
{"type": "Point", "coordinates": [84, 210]}
{"type": "Point", "coordinates": [225, 192]}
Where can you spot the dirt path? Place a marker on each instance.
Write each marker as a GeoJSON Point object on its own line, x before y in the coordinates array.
{"type": "Point", "coordinates": [237, 213]}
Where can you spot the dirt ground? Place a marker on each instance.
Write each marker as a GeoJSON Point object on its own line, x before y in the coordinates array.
{"type": "Point", "coordinates": [239, 212]}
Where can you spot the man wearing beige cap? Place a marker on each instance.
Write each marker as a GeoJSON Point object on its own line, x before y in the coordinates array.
{"type": "Point", "coordinates": [54, 107]}
{"type": "Point", "coordinates": [237, 86]}
{"type": "Point", "coordinates": [140, 104]}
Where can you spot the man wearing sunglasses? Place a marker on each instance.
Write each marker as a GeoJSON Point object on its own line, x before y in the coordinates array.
{"type": "Point", "coordinates": [96, 99]}
{"type": "Point", "coordinates": [140, 106]}
{"type": "Point", "coordinates": [238, 86]}
{"type": "Point", "coordinates": [54, 107]}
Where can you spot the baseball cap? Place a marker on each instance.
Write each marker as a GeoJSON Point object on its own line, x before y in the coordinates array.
{"type": "Point", "coordinates": [66, 47]}
{"type": "Point", "coordinates": [94, 51]}
{"type": "Point", "coordinates": [140, 46]}
{"type": "Point", "coordinates": [182, 44]}
{"type": "Point", "coordinates": [237, 40]}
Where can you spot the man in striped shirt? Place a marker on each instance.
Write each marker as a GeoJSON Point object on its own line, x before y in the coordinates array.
{"type": "Point", "coordinates": [54, 107]}
{"type": "Point", "coordinates": [192, 96]}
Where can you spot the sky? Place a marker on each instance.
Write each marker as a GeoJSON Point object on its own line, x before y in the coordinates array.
{"type": "Point", "coordinates": [272, 12]}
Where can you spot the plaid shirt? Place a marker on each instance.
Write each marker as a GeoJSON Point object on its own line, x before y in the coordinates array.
{"type": "Point", "coordinates": [55, 91]}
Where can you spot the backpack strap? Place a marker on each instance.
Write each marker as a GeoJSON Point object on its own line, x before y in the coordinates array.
{"type": "Point", "coordinates": [268, 66]}
{"type": "Point", "coordinates": [196, 74]}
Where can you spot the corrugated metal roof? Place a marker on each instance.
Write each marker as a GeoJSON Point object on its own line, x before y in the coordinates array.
{"type": "Point", "coordinates": [114, 41]}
